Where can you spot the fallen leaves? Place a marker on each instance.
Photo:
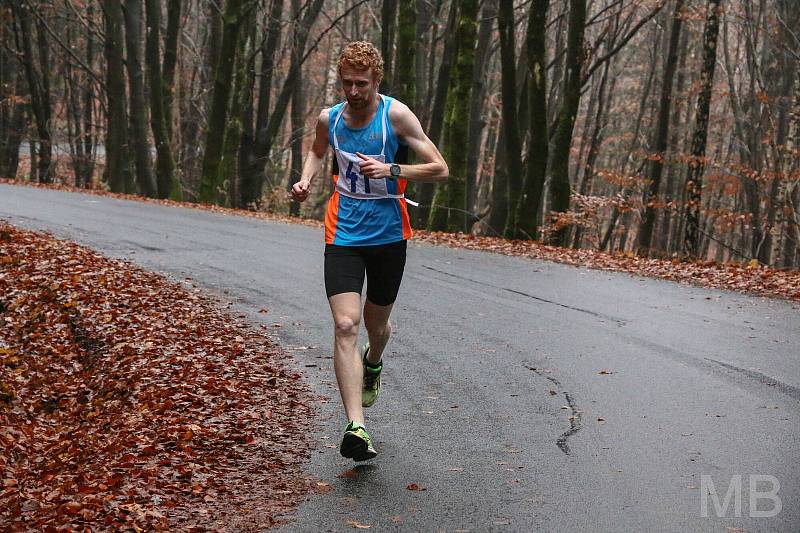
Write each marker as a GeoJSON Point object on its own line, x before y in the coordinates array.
{"type": "Point", "coordinates": [414, 486]}
{"type": "Point", "coordinates": [128, 402]}
{"type": "Point", "coordinates": [748, 277]}
{"type": "Point", "coordinates": [357, 525]}
{"type": "Point", "coordinates": [350, 474]}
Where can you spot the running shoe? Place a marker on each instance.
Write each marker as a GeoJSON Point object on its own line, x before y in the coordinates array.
{"type": "Point", "coordinates": [372, 380]}
{"type": "Point", "coordinates": [356, 444]}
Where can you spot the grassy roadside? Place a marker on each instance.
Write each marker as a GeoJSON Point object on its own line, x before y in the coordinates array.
{"type": "Point", "coordinates": [131, 402]}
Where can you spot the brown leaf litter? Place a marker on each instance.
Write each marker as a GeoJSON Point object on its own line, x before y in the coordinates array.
{"type": "Point", "coordinates": [129, 402]}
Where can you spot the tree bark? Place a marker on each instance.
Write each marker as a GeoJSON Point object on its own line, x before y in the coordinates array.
{"type": "Point", "coordinates": [229, 162]}
{"type": "Point", "coordinates": [88, 103]}
{"type": "Point", "coordinates": [38, 86]}
{"type": "Point", "coordinates": [477, 107]}
{"type": "Point", "coordinates": [560, 186]}
{"type": "Point", "coordinates": [665, 235]}
{"type": "Point", "coordinates": [511, 137]}
{"type": "Point", "coordinates": [452, 193]}
{"type": "Point", "coordinates": [170, 61]}
{"type": "Point", "coordinates": [12, 110]}
{"type": "Point", "coordinates": [594, 145]}
{"type": "Point", "coordinates": [404, 74]}
{"type": "Point", "coordinates": [662, 135]}
{"type": "Point", "coordinates": [426, 190]}
{"type": "Point", "coordinates": [118, 172]}
{"type": "Point", "coordinates": [423, 17]}
{"type": "Point", "coordinates": [166, 185]}
{"type": "Point", "coordinates": [297, 123]}
{"type": "Point", "coordinates": [252, 177]}
{"type": "Point", "coordinates": [211, 190]}
{"type": "Point", "coordinates": [141, 147]}
{"type": "Point", "coordinates": [388, 23]}
{"type": "Point", "coordinates": [694, 182]}
{"type": "Point", "coordinates": [531, 198]}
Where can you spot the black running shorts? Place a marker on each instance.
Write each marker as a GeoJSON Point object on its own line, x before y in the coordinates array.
{"type": "Point", "coordinates": [345, 267]}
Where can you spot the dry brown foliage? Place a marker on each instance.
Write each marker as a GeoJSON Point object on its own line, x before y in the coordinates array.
{"type": "Point", "coordinates": [129, 402]}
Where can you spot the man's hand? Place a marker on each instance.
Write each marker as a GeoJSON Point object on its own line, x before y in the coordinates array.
{"type": "Point", "coordinates": [372, 168]}
{"type": "Point", "coordinates": [300, 190]}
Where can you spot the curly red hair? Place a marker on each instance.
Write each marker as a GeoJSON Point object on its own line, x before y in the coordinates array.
{"type": "Point", "coordinates": [362, 55]}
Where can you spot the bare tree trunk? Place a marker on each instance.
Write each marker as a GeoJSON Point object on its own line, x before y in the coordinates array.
{"type": "Point", "coordinates": [538, 143]}
{"type": "Point", "coordinates": [510, 126]}
{"type": "Point", "coordinates": [73, 113]}
{"type": "Point", "coordinates": [38, 86]}
{"type": "Point", "coordinates": [141, 146]}
{"type": "Point", "coordinates": [12, 109]}
{"type": "Point", "coordinates": [476, 108]}
{"type": "Point", "coordinates": [664, 237]}
{"type": "Point", "coordinates": [782, 147]}
{"type": "Point", "coordinates": [118, 172]}
{"type": "Point", "coordinates": [297, 114]}
{"type": "Point", "coordinates": [252, 177]}
{"type": "Point", "coordinates": [211, 187]}
{"type": "Point", "coordinates": [560, 186]}
{"type": "Point", "coordinates": [662, 135]}
{"type": "Point", "coordinates": [388, 23]}
{"type": "Point", "coordinates": [310, 14]}
{"type": "Point", "coordinates": [694, 181]}
{"type": "Point", "coordinates": [452, 193]}
{"type": "Point", "coordinates": [421, 59]}
{"type": "Point", "coordinates": [89, 142]}
{"type": "Point", "coordinates": [170, 61]}
{"type": "Point", "coordinates": [594, 145]}
{"type": "Point", "coordinates": [426, 190]}
{"type": "Point", "coordinates": [166, 185]}
{"type": "Point", "coordinates": [232, 138]}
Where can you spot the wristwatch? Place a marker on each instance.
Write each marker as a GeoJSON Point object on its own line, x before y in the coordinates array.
{"type": "Point", "coordinates": [394, 170]}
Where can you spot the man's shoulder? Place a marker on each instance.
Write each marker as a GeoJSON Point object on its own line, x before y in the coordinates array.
{"type": "Point", "coordinates": [397, 108]}
{"type": "Point", "coordinates": [401, 116]}
{"type": "Point", "coordinates": [325, 114]}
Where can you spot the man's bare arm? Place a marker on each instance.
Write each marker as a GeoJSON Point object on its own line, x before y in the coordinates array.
{"type": "Point", "coordinates": [406, 125]}
{"type": "Point", "coordinates": [313, 162]}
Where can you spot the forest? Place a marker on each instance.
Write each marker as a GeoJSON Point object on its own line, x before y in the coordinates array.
{"type": "Point", "coordinates": [660, 128]}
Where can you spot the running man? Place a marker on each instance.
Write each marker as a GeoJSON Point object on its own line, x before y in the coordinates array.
{"type": "Point", "coordinates": [366, 224]}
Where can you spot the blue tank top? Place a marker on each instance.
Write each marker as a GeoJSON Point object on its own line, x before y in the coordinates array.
{"type": "Point", "coordinates": [365, 212]}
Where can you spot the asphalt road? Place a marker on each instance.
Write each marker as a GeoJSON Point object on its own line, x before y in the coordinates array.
{"type": "Point", "coordinates": [520, 395]}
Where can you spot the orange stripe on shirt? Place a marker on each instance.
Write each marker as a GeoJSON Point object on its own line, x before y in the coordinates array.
{"type": "Point", "coordinates": [401, 186]}
{"type": "Point", "coordinates": [332, 216]}
{"type": "Point", "coordinates": [406, 221]}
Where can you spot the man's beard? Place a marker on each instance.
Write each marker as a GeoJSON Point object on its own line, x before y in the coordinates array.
{"type": "Point", "coordinates": [357, 103]}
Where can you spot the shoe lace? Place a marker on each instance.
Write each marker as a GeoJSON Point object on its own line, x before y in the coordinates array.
{"type": "Point", "coordinates": [371, 379]}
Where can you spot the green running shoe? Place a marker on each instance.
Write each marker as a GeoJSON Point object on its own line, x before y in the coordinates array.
{"type": "Point", "coordinates": [372, 380]}
{"type": "Point", "coordinates": [356, 444]}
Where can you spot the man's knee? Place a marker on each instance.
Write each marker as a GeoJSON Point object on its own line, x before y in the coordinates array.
{"type": "Point", "coordinates": [346, 326]}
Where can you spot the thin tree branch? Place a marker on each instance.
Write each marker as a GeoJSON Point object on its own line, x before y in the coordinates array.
{"type": "Point", "coordinates": [66, 48]}
{"type": "Point", "coordinates": [622, 42]}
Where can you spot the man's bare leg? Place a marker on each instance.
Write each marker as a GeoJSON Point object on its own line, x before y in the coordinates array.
{"type": "Point", "coordinates": [346, 311]}
{"type": "Point", "coordinates": [376, 320]}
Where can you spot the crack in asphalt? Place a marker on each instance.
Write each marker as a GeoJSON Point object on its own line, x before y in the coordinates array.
{"type": "Point", "coordinates": [574, 420]}
{"type": "Point", "coordinates": [764, 379]}
{"type": "Point", "coordinates": [521, 293]}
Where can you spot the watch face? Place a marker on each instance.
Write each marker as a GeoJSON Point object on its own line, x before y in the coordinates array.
{"type": "Point", "coordinates": [394, 170]}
